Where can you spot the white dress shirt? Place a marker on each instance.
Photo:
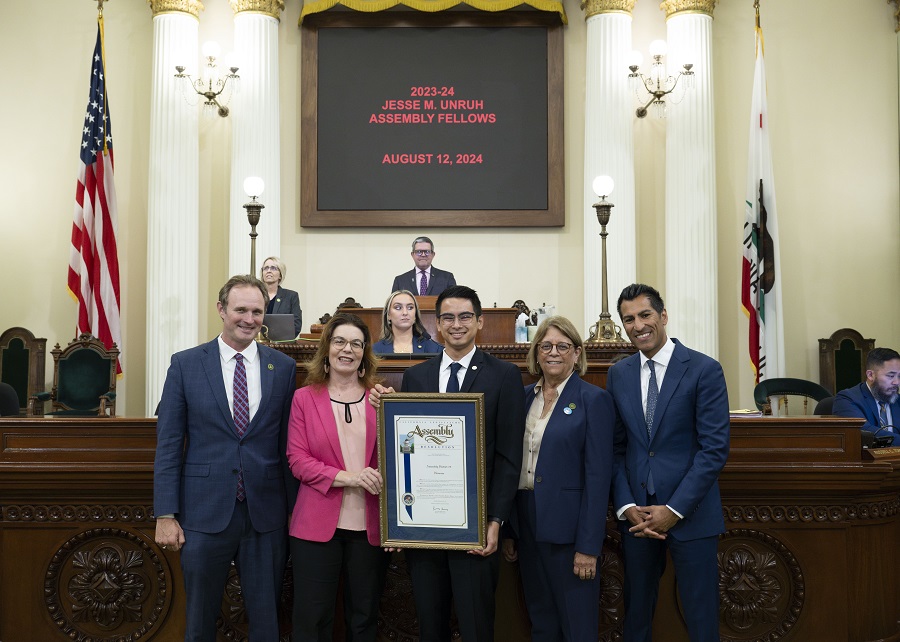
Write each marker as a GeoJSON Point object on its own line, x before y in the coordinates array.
{"type": "Point", "coordinates": [444, 376]}
{"type": "Point", "coordinates": [251, 365]}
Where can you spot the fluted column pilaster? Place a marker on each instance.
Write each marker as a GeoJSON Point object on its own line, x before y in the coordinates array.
{"type": "Point", "coordinates": [608, 149]}
{"type": "Point", "coordinates": [691, 258]}
{"type": "Point", "coordinates": [173, 196]}
{"type": "Point", "coordinates": [255, 142]}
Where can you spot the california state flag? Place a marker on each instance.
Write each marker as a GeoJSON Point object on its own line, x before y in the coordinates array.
{"type": "Point", "coordinates": [761, 270]}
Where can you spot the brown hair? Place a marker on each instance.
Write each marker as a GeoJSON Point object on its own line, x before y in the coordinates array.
{"type": "Point", "coordinates": [567, 328]}
{"type": "Point", "coordinates": [316, 368]}
{"type": "Point", "coordinates": [240, 281]}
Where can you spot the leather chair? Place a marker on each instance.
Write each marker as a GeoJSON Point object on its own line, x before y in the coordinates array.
{"type": "Point", "coordinates": [9, 401]}
{"type": "Point", "coordinates": [84, 380]}
{"type": "Point", "coordinates": [782, 389]}
{"type": "Point", "coordinates": [824, 407]}
{"type": "Point", "coordinates": [842, 359]}
{"type": "Point", "coordinates": [22, 362]}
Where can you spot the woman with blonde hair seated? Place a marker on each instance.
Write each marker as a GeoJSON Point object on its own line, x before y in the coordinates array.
{"type": "Point", "coordinates": [401, 327]}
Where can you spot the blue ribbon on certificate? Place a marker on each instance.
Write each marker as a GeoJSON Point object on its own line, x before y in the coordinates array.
{"type": "Point", "coordinates": [408, 477]}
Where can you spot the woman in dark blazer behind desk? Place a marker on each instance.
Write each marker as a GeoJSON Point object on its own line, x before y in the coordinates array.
{"type": "Point", "coordinates": [331, 450]}
{"type": "Point", "coordinates": [560, 517]}
{"type": "Point", "coordinates": [281, 300]}
{"type": "Point", "coordinates": [402, 330]}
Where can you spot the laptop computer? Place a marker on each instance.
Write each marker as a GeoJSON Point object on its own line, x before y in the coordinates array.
{"type": "Point", "coordinates": [279, 327]}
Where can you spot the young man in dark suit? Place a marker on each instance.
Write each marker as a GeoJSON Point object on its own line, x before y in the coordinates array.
{"type": "Point", "coordinates": [671, 443]}
{"type": "Point", "coordinates": [468, 578]}
{"type": "Point", "coordinates": [221, 482]}
{"type": "Point", "coordinates": [876, 399]}
{"type": "Point", "coordinates": [424, 279]}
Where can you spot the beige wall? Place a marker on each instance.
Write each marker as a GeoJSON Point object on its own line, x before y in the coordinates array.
{"type": "Point", "coordinates": [833, 94]}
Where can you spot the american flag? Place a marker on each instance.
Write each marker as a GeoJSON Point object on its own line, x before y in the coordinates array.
{"type": "Point", "coordinates": [94, 263]}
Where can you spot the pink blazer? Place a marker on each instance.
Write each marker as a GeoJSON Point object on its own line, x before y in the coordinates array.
{"type": "Point", "coordinates": [314, 455]}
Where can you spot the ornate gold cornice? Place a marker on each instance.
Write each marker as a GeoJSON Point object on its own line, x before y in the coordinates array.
{"type": "Point", "coordinates": [268, 7]}
{"type": "Point", "coordinates": [193, 7]}
{"type": "Point", "coordinates": [896, 4]}
{"type": "Point", "coordinates": [671, 7]}
{"type": "Point", "coordinates": [596, 7]}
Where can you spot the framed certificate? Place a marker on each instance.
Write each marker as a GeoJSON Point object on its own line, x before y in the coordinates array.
{"type": "Point", "coordinates": [431, 454]}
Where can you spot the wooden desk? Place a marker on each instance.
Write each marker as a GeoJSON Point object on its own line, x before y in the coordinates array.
{"type": "Point", "coordinates": [810, 553]}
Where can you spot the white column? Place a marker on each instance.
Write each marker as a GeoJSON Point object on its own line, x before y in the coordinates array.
{"type": "Point", "coordinates": [691, 259]}
{"type": "Point", "coordinates": [255, 142]}
{"type": "Point", "coordinates": [608, 149]}
{"type": "Point", "coordinates": [173, 196]}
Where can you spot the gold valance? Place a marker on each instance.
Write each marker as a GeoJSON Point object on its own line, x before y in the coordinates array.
{"type": "Point", "coordinates": [432, 6]}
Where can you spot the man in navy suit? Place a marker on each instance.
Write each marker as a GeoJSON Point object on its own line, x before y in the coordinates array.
{"type": "Point", "coordinates": [875, 399]}
{"type": "Point", "coordinates": [436, 281]}
{"type": "Point", "coordinates": [221, 491]}
{"type": "Point", "coordinates": [468, 578]}
{"type": "Point", "coordinates": [671, 442]}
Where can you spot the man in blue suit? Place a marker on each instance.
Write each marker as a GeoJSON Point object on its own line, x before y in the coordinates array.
{"type": "Point", "coordinates": [221, 490]}
{"type": "Point", "coordinates": [671, 442]}
{"type": "Point", "coordinates": [875, 399]}
{"type": "Point", "coordinates": [435, 280]}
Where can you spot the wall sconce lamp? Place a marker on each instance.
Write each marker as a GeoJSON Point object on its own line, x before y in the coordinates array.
{"type": "Point", "coordinates": [604, 331]}
{"type": "Point", "coordinates": [253, 187]}
{"type": "Point", "coordinates": [650, 90]}
{"type": "Point", "coordinates": [210, 85]}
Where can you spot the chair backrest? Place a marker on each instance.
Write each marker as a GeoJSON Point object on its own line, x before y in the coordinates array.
{"type": "Point", "coordinates": [842, 359]}
{"type": "Point", "coordinates": [824, 407]}
{"type": "Point", "coordinates": [9, 401]}
{"type": "Point", "coordinates": [22, 363]}
{"type": "Point", "coordinates": [783, 388]}
{"type": "Point", "coordinates": [83, 372]}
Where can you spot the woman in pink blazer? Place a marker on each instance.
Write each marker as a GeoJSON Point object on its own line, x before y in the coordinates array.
{"type": "Point", "coordinates": [331, 450]}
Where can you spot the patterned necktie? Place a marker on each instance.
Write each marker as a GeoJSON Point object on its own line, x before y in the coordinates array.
{"type": "Point", "coordinates": [241, 411]}
{"type": "Point", "coordinates": [453, 382]}
{"type": "Point", "coordinates": [423, 284]}
{"type": "Point", "coordinates": [652, 396]}
{"type": "Point", "coordinates": [882, 416]}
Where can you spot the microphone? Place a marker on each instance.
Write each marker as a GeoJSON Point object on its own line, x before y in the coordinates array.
{"type": "Point", "coordinates": [872, 440]}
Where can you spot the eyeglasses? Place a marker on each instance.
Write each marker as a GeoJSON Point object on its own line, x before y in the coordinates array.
{"type": "Point", "coordinates": [465, 318]}
{"type": "Point", "coordinates": [339, 342]}
{"type": "Point", "coordinates": [270, 268]}
{"type": "Point", "coordinates": [562, 347]}
{"type": "Point", "coordinates": [422, 252]}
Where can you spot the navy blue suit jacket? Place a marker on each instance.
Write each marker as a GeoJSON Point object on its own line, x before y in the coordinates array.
{"type": "Point", "coordinates": [288, 302]}
{"type": "Point", "coordinates": [198, 452]}
{"type": "Point", "coordinates": [504, 420]}
{"type": "Point", "coordinates": [859, 402]}
{"type": "Point", "coordinates": [440, 280]}
{"type": "Point", "coordinates": [689, 445]}
{"type": "Point", "coordinates": [575, 467]}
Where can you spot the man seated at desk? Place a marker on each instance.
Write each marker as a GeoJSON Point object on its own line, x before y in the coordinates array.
{"type": "Point", "coordinates": [424, 280]}
{"type": "Point", "coordinates": [876, 398]}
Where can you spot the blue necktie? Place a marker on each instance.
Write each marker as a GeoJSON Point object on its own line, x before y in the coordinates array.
{"type": "Point", "coordinates": [241, 411]}
{"type": "Point", "coordinates": [652, 396]}
{"type": "Point", "coordinates": [882, 416]}
{"type": "Point", "coordinates": [453, 382]}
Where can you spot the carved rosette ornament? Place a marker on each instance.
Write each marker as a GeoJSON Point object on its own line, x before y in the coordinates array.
{"type": "Point", "coordinates": [105, 585]}
{"type": "Point", "coordinates": [192, 7]}
{"type": "Point", "coordinates": [672, 7]}
{"type": "Point", "coordinates": [596, 7]}
{"type": "Point", "coordinates": [761, 587]}
{"type": "Point", "coordinates": [612, 590]}
{"type": "Point", "coordinates": [271, 8]}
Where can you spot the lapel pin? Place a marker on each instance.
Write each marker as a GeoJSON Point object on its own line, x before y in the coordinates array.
{"type": "Point", "coordinates": [474, 367]}
{"type": "Point", "coordinates": [572, 406]}
{"type": "Point", "coordinates": [271, 367]}
{"type": "Point", "coordinates": [568, 411]}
